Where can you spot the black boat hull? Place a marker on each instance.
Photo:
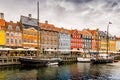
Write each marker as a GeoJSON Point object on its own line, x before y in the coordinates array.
{"type": "Point", "coordinates": [37, 62]}
{"type": "Point", "coordinates": [101, 61]}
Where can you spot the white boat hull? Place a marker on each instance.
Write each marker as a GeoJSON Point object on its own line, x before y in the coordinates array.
{"type": "Point", "coordinates": [83, 59]}
{"type": "Point", "coordinates": [54, 63]}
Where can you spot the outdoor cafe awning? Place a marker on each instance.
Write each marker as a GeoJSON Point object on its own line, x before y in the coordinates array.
{"type": "Point", "coordinates": [20, 49]}
{"type": "Point", "coordinates": [31, 49]}
{"type": "Point", "coordinates": [50, 50]}
{"type": "Point", "coordinates": [6, 49]}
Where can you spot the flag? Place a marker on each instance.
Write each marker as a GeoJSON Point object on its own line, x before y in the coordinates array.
{"type": "Point", "coordinates": [110, 23]}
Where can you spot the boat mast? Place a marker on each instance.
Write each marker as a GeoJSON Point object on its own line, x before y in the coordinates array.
{"type": "Point", "coordinates": [38, 31]}
{"type": "Point", "coordinates": [97, 43]}
{"type": "Point", "coordinates": [108, 36]}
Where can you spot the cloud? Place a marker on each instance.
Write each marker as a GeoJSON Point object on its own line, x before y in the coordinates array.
{"type": "Point", "coordinates": [75, 14]}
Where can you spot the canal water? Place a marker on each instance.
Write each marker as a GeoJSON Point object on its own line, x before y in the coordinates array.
{"type": "Point", "coordinates": [74, 71]}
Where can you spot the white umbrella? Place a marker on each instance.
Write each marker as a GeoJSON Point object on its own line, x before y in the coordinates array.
{"type": "Point", "coordinates": [1, 48]}
{"type": "Point", "coordinates": [50, 50]}
{"type": "Point", "coordinates": [20, 49]}
{"type": "Point", "coordinates": [32, 49]}
{"type": "Point", "coordinates": [8, 49]}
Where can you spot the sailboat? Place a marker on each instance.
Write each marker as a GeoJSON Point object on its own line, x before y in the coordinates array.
{"type": "Point", "coordinates": [37, 61]}
{"type": "Point", "coordinates": [106, 58]}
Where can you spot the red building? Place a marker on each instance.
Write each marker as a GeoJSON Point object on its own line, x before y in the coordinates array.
{"type": "Point", "coordinates": [76, 40]}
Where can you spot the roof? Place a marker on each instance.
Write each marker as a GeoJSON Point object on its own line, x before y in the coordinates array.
{"type": "Point", "coordinates": [14, 25]}
{"type": "Point", "coordinates": [85, 32]}
{"type": "Point", "coordinates": [102, 33]}
{"type": "Point", "coordinates": [2, 22]}
{"type": "Point", "coordinates": [49, 27]}
{"type": "Point", "coordinates": [117, 38]}
{"type": "Point", "coordinates": [62, 30]}
{"type": "Point", "coordinates": [28, 21]}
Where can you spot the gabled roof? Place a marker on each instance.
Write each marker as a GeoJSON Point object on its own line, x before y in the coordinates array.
{"type": "Point", "coordinates": [14, 25]}
{"type": "Point", "coordinates": [102, 33]}
{"type": "Point", "coordinates": [66, 31]}
{"type": "Point", "coordinates": [74, 31]}
{"type": "Point", "coordinates": [28, 21]}
{"type": "Point", "coordinates": [86, 32]}
{"type": "Point", "coordinates": [49, 27]}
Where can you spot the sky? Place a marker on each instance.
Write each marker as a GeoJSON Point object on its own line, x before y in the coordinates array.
{"type": "Point", "coordinates": [69, 14]}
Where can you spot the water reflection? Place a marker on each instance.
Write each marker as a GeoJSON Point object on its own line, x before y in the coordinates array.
{"type": "Point", "coordinates": [77, 71]}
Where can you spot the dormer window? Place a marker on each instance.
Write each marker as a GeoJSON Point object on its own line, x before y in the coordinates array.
{"type": "Point", "coordinates": [10, 27]}
{"type": "Point", "coordinates": [17, 28]}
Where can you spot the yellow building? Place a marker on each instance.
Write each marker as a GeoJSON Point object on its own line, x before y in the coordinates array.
{"type": "Point", "coordinates": [103, 42]}
{"type": "Point", "coordinates": [2, 37]}
{"type": "Point", "coordinates": [2, 30]}
{"type": "Point", "coordinates": [112, 45]}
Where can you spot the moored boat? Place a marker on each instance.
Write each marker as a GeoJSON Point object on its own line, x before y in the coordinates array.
{"type": "Point", "coordinates": [102, 59]}
{"type": "Point", "coordinates": [80, 59]}
{"type": "Point", "coordinates": [39, 62]}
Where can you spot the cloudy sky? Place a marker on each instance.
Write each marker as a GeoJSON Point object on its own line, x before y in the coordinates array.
{"type": "Point", "coordinates": [70, 14]}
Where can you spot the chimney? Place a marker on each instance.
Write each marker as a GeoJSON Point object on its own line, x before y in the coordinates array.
{"type": "Point", "coordinates": [46, 22]}
{"type": "Point", "coordinates": [11, 21]}
{"type": "Point", "coordinates": [1, 15]}
{"type": "Point", "coordinates": [29, 16]}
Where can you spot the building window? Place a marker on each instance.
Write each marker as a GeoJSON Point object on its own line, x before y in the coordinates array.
{"type": "Point", "coordinates": [7, 41]}
{"type": "Point", "coordinates": [17, 28]}
{"type": "Point", "coordinates": [10, 27]}
{"type": "Point", "coordinates": [24, 33]}
{"type": "Point", "coordinates": [28, 33]}
{"type": "Point", "coordinates": [11, 40]}
{"type": "Point", "coordinates": [12, 34]}
{"type": "Point", "coordinates": [15, 41]}
{"type": "Point", "coordinates": [24, 40]}
{"type": "Point", "coordinates": [20, 41]}
{"type": "Point", "coordinates": [7, 34]}
{"type": "Point", "coordinates": [34, 34]}
{"type": "Point", "coordinates": [28, 40]}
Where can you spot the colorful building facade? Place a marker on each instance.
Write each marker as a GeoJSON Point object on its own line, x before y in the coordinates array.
{"type": "Point", "coordinates": [95, 40]}
{"type": "Point", "coordinates": [30, 32]}
{"type": "Point", "coordinates": [117, 43]}
{"type": "Point", "coordinates": [86, 40]}
{"type": "Point", "coordinates": [2, 30]}
{"type": "Point", "coordinates": [49, 36]}
{"type": "Point", "coordinates": [64, 40]}
{"type": "Point", "coordinates": [76, 40]}
{"type": "Point", "coordinates": [13, 35]}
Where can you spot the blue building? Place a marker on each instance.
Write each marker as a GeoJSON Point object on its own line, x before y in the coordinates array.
{"type": "Point", "coordinates": [64, 41]}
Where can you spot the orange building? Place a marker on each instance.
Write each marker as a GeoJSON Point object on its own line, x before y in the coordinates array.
{"type": "Point", "coordinates": [95, 39]}
{"type": "Point", "coordinates": [49, 36]}
{"type": "Point", "coordinates": [13, 35]}
{"type": "Point", "coordinates": [76, 40]}
{"type": "Point", "coordinates": [29, 34]}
